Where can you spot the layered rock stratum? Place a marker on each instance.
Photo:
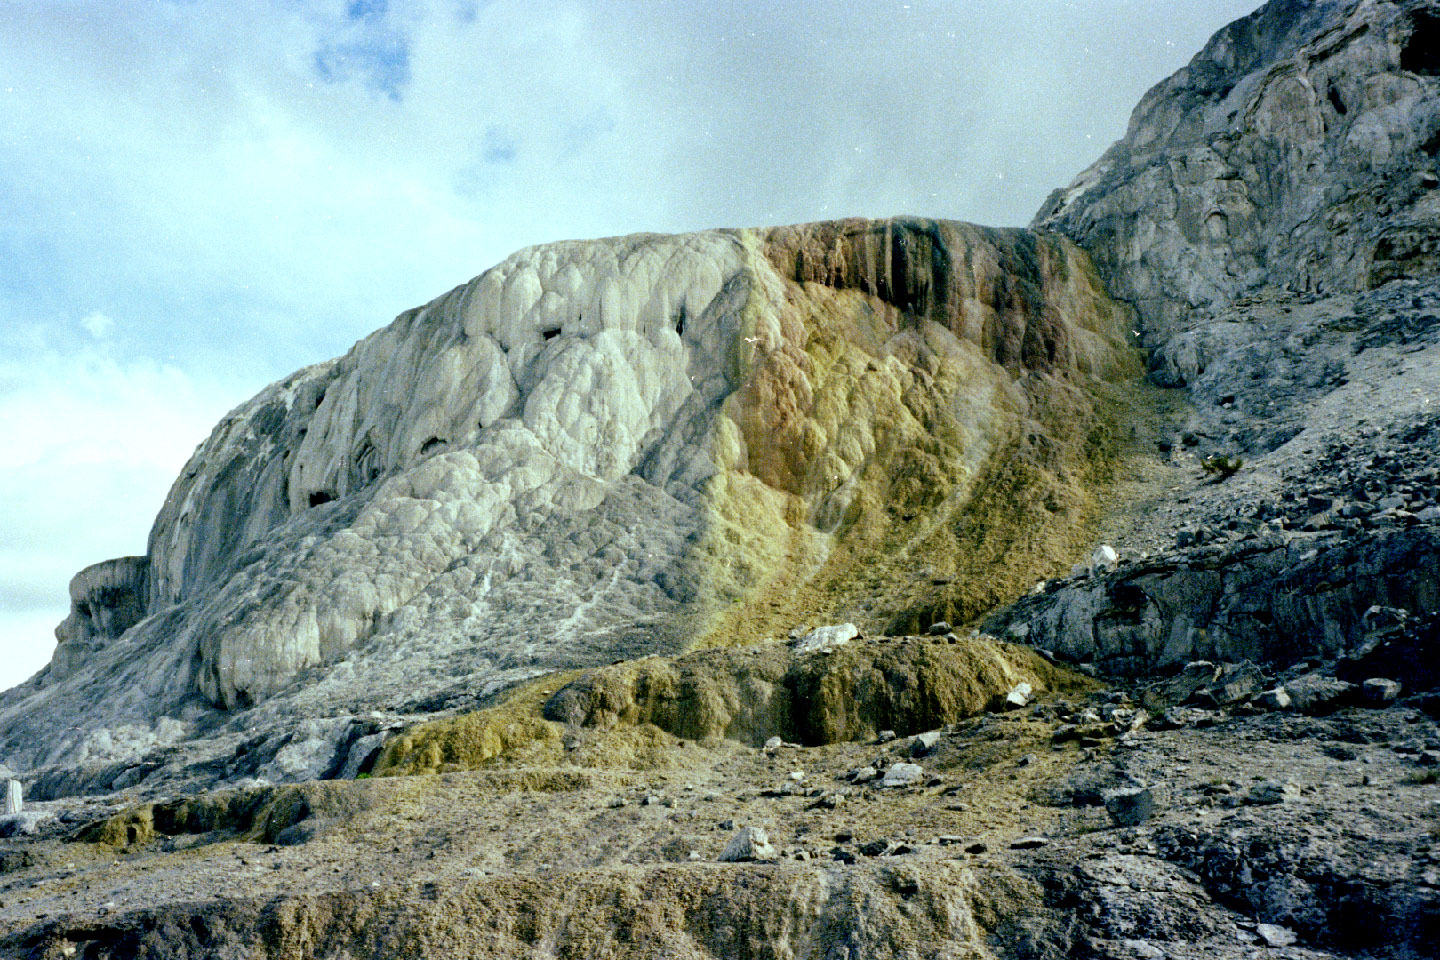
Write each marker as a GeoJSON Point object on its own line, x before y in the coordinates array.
{"type": "Point", "coordinates": [848, 589]}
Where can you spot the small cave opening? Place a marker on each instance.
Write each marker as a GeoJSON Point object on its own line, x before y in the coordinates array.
{"type": "Point", "coordinates": [550, 334]}
{"type": "Point", "coordinates": [429, 446]}
{"type": "Point", "coordinates": [321, 496]}
{"type": "Point", "coordinates": [680, 320]}
{"type": "Point", "coordinates": [1333, 95]}
{"type": "Point", "coordinates": [1421, 53]}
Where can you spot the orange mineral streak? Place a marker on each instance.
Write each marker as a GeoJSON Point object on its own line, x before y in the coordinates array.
{"type": "Point", "coordinates": [1003, 290]}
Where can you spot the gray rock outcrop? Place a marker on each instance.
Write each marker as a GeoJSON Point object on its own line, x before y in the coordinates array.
{"type": "Point", "coordinates": [1296, 152]}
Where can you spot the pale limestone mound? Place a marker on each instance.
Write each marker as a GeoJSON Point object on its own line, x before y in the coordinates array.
{"type": "Point", "coordinates": [594, 450]}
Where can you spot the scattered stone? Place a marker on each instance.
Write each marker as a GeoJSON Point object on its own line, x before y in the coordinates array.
{"type": "Point", "coordinates": [749, 844]}
{"type": "Point", "coordinates": [825, 639]}
{"type": "Point", "coordinates": [976, 848]}
{"type": "Point", "coordinates": [885, 736]}
{"type": "Point", "coordinates": [1274, 935]}
{"type": "Point", "coordinates": [1316, 694]}
{"type": "Point", "coordinates": [1029, 843]}
{"type": "Point", "coordinates": [924, 744]}
{"type": "Point", "coordinates": [864, 775]}
{"type": "Point", "coordinates": [774, 743]}
{"type": "Point", "coordinates": [1104, 558]}
{"type": "Point", "coordinates": [1379, 692]}
{"type": "Point", "coordinates": [939, 629]}
{"type": "Point", "coordinates": [1018, 697]}
{"type": "Point", "coordinates": [1276, 699]}
{"type": "Point", "coordinates": [1235, 683]}
{"type": "Point", "coordinates": [1271, 792]}
{"type": "Point", "coordinates": [1131, 806]}
{"type": "Point", "coordinates": [902, 775]}
{"type": "Point", "coordinates": [873, 848]}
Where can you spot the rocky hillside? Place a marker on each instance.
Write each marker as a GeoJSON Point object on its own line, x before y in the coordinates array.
{"type": "Point", "coordinates": [851, 589]}
{"type": "Point", "coordinates": [593, 451]}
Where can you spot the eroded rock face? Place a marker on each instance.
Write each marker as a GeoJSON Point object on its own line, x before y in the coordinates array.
{"type": "Point", "coordinates": [605, 449]}
{"type": "Point", "coordinates": [106, 599]}
{"type": "Point", "coordinates": [1276, 600]}
{"type": "Point", "coordinates": [1296, 152]}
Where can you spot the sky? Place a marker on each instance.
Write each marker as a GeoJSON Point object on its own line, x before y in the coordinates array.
{"type": "Point", "coordinates": [199, 196]}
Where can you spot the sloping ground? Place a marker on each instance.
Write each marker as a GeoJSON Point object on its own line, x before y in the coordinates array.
{"type": "Point", "coordinates": [599, 450]}
{"type": "Point", "coordinates": [1284, 827]}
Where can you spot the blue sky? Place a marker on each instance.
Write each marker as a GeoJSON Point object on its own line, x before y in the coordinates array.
{"type": "Point", "coordinates": [200, 197]}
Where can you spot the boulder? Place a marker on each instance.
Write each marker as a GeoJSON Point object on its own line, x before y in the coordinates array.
{"type": "Point", "coordinates": [749, 844]}
{"type": "Point", "coordinates": [1276, 699]}
{"type": "Point", "coordinates": [825, 639]}
{"type": "Point", "coordinates": [1380, 692]}
{"type": "Point", "coordinates": [1235, 683]}
{"type": "Point", "coordinates": [1317, 694]}
{"type": "Point", "coordinates": [903, 775]}
{"type": "Point", "coordinates": [1103, 559]}
{"type": "Point", "coordinates": [1132, 806]}
{"type": "Point", "coordinates": [924, 744]}
{"type": "Point", "coordinates": [1018, 696]}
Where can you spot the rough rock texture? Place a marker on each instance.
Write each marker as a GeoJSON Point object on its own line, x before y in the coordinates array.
{"type": "Point", "coordinates": [747, 694]}
{"type": "Point", "coordinates": [106, 599]}
{"type": "Point", "coordinates": [521, 564]}
{"type": "Point", "coordinates": [601, 449]}
{"type": "Point", "coordinates": [1296, 152]}
{"type": "Point", "coordinates": [1278, 599]}
{"type": "Point", "coordinates": [1000, 848]}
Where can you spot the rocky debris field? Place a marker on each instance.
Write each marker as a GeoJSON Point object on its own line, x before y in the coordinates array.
{"type": "Point", "coordinates": [1188, 818]}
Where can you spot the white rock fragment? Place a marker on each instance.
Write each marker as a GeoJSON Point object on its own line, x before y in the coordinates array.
{"type": "Point", "coordinates": [747, 845]}
{"type": "Point", "coordinates": [1275, 935]}
{"type": "Point", "coordinates": [902, 775]}
{"type": "Point", "coordinates": [1019, 696]}
{"type": "Point", "coordinates": [825, 639]}
{"type": "Point", "coordinates": [1104, 558]}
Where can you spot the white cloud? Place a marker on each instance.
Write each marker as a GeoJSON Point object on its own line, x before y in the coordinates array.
{"type": "Point", "coordinates": [92, 445]}
{"type": "Point", "coordinates": [97, 324]}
